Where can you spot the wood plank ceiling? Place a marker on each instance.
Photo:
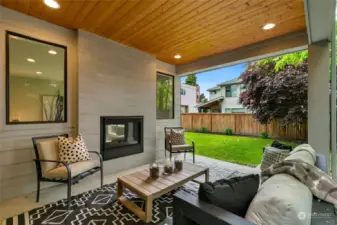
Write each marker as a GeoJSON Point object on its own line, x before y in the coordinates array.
{"type": "Point", "coordinates": [192, 28]}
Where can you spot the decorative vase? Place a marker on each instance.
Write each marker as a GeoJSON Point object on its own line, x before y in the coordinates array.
{"type": "Point", "coordinates": [154, 171]}
{"type": "Point", "coordinates": [178, 165]}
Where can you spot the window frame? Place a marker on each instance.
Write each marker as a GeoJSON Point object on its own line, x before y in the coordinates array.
{"type": "Point", "coordinates": [173, 95]}
{"type": "Point", "coordinates": [8, 122]}
{"type": "Point", "coordinates": [230, 86]}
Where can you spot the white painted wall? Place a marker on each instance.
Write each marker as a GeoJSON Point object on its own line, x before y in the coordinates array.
{"type": "Point", "coordinates": [190, 97]}
{"type": "Point", "coordinates": [162, 123]}
{"type": "Point", "coordinates": [17, 170]}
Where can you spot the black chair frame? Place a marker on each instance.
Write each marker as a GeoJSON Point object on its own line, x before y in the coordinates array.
{"type": "Point", "coordinates": [169, 144]}
{"type": "Point", "coordinates": [71, 180]}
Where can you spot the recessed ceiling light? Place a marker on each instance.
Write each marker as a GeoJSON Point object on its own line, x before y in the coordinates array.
{"type": "Point", "coordinates": [52, 4]}
{"type": "Point", "coordinates": [38, 72]}
{"type": "Point", "coordinates": [31, 60]}
{"type": "Point", "coordinates": [269, 26]}
{"type": "Point", "coordinates": [52, 52]}
{"type": "Point", "coordinates": [177, 56]}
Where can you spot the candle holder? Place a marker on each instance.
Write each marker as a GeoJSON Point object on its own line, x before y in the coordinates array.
{"type": "Point", "coordinates": [168, 168]}
{"type": "Point", "coordinates": [154, 171]}
{"type": "Point", "coordinates": [178, 165]}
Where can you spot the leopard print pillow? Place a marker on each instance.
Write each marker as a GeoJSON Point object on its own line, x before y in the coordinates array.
{"type": "Point", "coordinates": [177, 137]}
{"type": "Point", "coordinates": [73, 150]}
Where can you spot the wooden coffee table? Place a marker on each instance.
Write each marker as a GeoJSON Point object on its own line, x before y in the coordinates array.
{"type": "Point", "coordinates": [149, 189]}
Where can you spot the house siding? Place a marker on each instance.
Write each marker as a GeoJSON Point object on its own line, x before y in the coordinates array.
{"type": "Point", "coordinates": [190, 97]}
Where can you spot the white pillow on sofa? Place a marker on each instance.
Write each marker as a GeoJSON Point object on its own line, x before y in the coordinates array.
{"type": "Point", "coordinates": [282, 199]}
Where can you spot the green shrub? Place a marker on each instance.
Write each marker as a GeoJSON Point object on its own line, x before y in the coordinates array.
{"type": "Point", "coordinates": [203, 129]}
{"type": "Point", "coordinates": [228, 131]}
{"type": "Point", "coordinates": [264, 134]}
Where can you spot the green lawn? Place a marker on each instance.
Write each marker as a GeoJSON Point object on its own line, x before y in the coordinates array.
{"type": "Point", "coordinates": [237, 149]}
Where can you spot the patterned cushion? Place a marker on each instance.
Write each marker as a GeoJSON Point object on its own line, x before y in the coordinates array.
{"type": "Point", "coordinates": [273, 155]}
{"type": "Point", "coordinates": [177, 137]}
{"type": "Point", "coordinates": [73, 150]}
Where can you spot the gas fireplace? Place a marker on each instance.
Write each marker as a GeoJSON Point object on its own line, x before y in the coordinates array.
{"type": "Point", "coordinates": [121, 136]}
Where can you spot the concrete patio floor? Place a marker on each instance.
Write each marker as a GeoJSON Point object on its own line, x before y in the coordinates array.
{"type": "Point", "coordinates": [27, 202]}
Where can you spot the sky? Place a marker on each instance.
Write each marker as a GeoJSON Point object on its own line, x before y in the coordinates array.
{"type": "Point", "coordinates": [212, 78]}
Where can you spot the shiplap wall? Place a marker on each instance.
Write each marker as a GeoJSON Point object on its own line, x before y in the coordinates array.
{"type": "Point", "coordinates": [160, 124]}
{"type": "Point", "coordinates": [17, 171]}
{"type": "Point", "coordinates": [116, 80]}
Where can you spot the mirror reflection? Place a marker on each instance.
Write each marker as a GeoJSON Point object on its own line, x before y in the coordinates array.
{"type": "Point", "coordinates": [36, 80]}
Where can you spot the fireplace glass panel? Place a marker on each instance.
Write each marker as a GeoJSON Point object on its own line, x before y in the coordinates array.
{"type": "Point", "coordinates": [121, 134]}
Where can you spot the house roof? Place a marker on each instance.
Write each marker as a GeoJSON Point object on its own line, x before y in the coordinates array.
{"type": "Point", "coordinates": [233, 81]}
{"type": "Point", "coordinates": [213, 88]}
{"type": "Point", "coordinates": [210, 102]}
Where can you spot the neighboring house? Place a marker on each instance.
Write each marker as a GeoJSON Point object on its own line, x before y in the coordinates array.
{"type": "Point", "coordinates": [190, 96]}
{"type": "Point", "coordinates": [224, 98]}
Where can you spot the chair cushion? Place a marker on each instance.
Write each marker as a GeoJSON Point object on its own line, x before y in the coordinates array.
{"type": "Point", "coordinates": [177, 136]}
{"type": "Point", "coordinates": [73, 150]}
{"type": "Point", "coordinates": [233, 195]}
{"type": "Point", "coordinates": [48, 149]}
{"type": "Point", "coordinates": [180, 148]}
{"type": "Point", "coordinates": [76, 169]}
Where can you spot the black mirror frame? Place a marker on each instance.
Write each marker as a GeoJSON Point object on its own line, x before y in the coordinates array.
{"type": "Point", "coordinates": [8, 122]}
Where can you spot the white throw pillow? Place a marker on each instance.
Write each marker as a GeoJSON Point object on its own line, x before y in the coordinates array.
{"type": "Point", "coordinates": [73, 150]}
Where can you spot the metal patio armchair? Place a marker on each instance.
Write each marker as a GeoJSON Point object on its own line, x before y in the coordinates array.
{"type": "Point", "coordinates": [47, 162]}
{"type": "Point", "coordinates": [177, 149]}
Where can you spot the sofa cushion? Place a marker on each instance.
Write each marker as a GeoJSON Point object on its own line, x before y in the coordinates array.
{"type": "Point", "coordinates": [76, 169]}
{"type": "Point", "coordinates": [48, 149]}
{"type": "Point", "coordinates": [303, 152]}
{"type": "Point", "coordinates": [73, 150]}
{"type": "Point", "coordinates": [231, 195]}
{"type": "Point", "coordinates": [282, 198]}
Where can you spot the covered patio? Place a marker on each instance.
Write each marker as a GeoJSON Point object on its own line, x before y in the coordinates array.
{"type": "Point", "coordinates": [117, 83]}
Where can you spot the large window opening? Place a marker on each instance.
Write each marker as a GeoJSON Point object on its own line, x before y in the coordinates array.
{"type": "Point", "coordinates": [165, 96]}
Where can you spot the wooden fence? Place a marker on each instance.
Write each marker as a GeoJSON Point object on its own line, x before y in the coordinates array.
{"type": "Point", "coordinates": [241, 124]}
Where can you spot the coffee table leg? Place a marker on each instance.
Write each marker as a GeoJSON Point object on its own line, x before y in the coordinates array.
{"type": "Point", "coordinates": [207, 175]}
{"type": "Point", "coordinates": [148, 209]}
{"type": "Point", "coordinates": [119, 188]}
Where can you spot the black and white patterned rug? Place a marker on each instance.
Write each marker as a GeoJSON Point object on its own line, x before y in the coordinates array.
{"type": "Point", "coordinates": [99, 207]}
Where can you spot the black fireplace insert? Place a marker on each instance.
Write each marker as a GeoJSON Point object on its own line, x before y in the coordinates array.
{"type": "Point", "coordinates": [121, 136]}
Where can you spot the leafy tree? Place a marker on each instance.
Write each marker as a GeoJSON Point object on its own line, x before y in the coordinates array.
{"type": "Point", "coordinates": [191, 80]}
{"type": "Point", "coordinates": [164, 94]}
{"type": "Point", "coordinates": [203, 98]}
{"type": "Point", "coordinates": [281, 62]}
{"type": "Point", "coordinates": [277, 92]}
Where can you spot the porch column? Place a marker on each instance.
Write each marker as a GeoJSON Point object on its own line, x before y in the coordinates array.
{"type": "Point", "coordinates": [318, 97]}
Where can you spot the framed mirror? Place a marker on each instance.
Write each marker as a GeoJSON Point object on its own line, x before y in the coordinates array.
{"type": "Point", "coordinates": [36, 80]}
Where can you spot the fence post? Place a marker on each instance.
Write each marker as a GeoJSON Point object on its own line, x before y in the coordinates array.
{"type": "Point", "coordinates": [211, 122]}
